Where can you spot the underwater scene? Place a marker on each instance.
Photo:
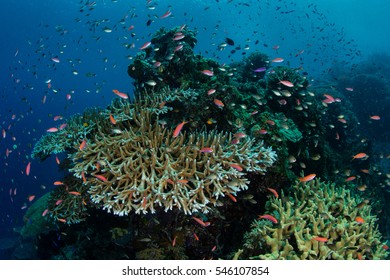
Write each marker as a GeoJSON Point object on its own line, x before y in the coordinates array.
{"type": "Point", "coordinates": [195, 130]}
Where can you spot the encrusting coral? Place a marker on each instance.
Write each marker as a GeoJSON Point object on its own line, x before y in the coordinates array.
{"type": "Point", "coordinates": [320, 222]}
{"type": "Point", "coordinates": [146, 165]}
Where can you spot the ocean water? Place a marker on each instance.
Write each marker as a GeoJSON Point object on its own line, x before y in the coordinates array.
{"type": "Point", "coordinates": [60, 57]}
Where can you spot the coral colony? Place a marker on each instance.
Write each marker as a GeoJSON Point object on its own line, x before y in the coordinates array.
{"type": "Point", "coordinates": [193, 166]}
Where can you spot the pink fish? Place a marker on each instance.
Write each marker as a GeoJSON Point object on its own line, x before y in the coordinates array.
{"type": "Point", "coordinates": [178, 37]}
{"type": "Point", "coordinates": [199, 221]}
{"type": "Point", "coordinates": [56, 118]}
{"type": "Point", "coordinates": [178, 48]}
{"type": "Point", "coordinates": [206, 150]}
{"type": "Point", "coordinates": [62, 126]}
{"type": "Point", "coordinates": [45, 212]}
{"type": "Point", "coordinates": [52, 129]}
{"type": "Point", "coordinates": [28, 168]}
{"type": "Point", "coordinates": [31, 198]}
{"type": "Point", "coordinates": [178, 128]}
{"type": "Point", "coordinates": [211, 91]}
{"type": "Point", "coordinates": [287, 83]}
{"type": "Point", "coordinates": [144, 46]}
{"type": "Point", "coordinates": [236, 166]}
{"type": "Point", "coordinates": [278, 59]}
{"type": "Point", "coordinates": [207, 73]}
{"type": "Point", "coordinates": [349, 88]}
{"type": "Point", "coordinates": [120, 94]}
{"type": "Point", "coordinates": [167, 14]}
{"type": "Point", "coordinates": [55, 59]}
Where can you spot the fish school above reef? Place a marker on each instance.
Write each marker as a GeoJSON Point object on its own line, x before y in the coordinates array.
{"type": "Point", "coordinates": [204, 162]}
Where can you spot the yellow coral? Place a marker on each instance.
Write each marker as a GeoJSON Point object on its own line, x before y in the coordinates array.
{"type": "Point", "coordinates": [317, 211]}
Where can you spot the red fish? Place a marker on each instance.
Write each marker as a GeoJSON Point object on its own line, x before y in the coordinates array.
{"type": "Point", "coordinates": [178, 128]}
{"type": "Point", "coordinates": [231, 197]}
{"type": "Point", "coordinates": [112, 119]}
{"type": "Point", "coordinates": [307, 178]}
{"type": "Point", "coordinates": [269, 217]}
{"type": "Point", "coordinates": [359, 220]}
{"type": "Point", "coordinates": [236, 166]}
{"type": "Point", "coordinates": [351, 178]}
{"type": "Point", "coordinates": [360, 156]}
{"type": "Point", "coordinates": [28, 167]}
{"type": "Point", "coordinates": [74, 193]}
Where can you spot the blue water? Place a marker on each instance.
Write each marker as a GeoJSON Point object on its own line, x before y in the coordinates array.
{"type": "Point", "coordinates": [309, 34]}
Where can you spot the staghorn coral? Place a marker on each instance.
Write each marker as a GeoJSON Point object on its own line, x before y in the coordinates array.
{"type": "Point", "coordinates": [317, 209]}
{"type": "Point", "coordinates": [145, 166]}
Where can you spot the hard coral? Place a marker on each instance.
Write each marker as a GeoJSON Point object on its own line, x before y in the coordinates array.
{"type": "Point", "coordinates": [321, 221]}
{"type": "Point", "coordinates": [145, 166]}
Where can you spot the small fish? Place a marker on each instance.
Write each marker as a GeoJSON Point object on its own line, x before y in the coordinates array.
{"type": "Point", "coordinates": [62, 126]}
{"type": "Point", "coordinates": [236, 166]}
{"type": "Point", "coordinates": [320, 239]}
{"type": "Point", "coordinates": [144, 46]}
{"type": "Point", "coordinates": [31, 198]}
{"type": "Point", "coordinates": [58, 183]}
{"type": "Point", "coordinates": [277, 60]}
{"type": "Point", "coordinates": [360, 156]}
{"type": "Point", "coordinates": [206, 150]}
{"type": "Point", "coordinates": [74, 193]}
{"type": "Point", "coordinates": [112, 119]}
{"type": "Point", "coordinates": [58, 202]}
{"type": "Point", "coordinates": [349, 88]}
{"type": "Point", "coordinates": [350, 178]}
{"type": "Point", "coordinates": [144, 202]}
{"type": "Point", "coordinates": [167, 14]}
{"type": "Point", "coordinates": [269, 217]}
{"type": "Point", "coordinates": [61, 220]}
{"type": "Point", "coordinates": [28, 167]}
{"type": "Point", "coordinates": [174, 241]}
{"type": "Point", "coordinates": [196, 237]}
{"type": "Point", "coordinates": [151, 83]}
{"type": "Point", "coordinates": [199, 221]}
{"type": "Point", "coordinates": [178, 37]}
{"type": "Point", "coordinates": [178, 128]}
{"type": "Point", "coordinates": [101, 177]}
{"type": "Point", "coordinates": [307, 178]}
{"type": "Point", "coordinates": [259, 70]}
{"type": "Point", "coordinates": [211, 91]}
{"type": "Point", "coordinates": [286, 83]}
{"type": "Point", "coordinates": [120, 94]}
{"type": "Point", "coordinates": [274, 192]}
{"type": "Point", "coordinates": [55, 59]}
{"type": "Point", "coordinates": [219, 103]}
{"type": "Point", "coordinates": [83, 145]}
{"type": "Point", "coordinates": [207, 73]}
{"type": "Point", "coordinates": [45, 212]}
{"type": "Point", "coordinates": [375, 118]}
{"type": "Point", "coordinates": [52, 129]}
{"type": "Point", "coordinates": [359, 220]}
{"type": "Point", "coordinates": [231, 197]}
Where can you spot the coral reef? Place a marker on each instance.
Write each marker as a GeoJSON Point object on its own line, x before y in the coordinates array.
{"type": "Point", "coordinates": [321, 221]}
{"type": "Point", "coordinates": [146, 165]}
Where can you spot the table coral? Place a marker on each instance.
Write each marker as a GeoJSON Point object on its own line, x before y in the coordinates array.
{"type": "Point", "coordinates": [321, 221]}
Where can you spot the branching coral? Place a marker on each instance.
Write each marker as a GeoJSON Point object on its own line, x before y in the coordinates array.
{"type": "Point", "coordinates": [321, 221]}
{"type": "Point", "coordinates": [146, 165]}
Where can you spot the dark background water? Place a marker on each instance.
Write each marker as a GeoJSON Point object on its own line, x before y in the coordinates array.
{"type": "Point", "coordinates": [33, 32]}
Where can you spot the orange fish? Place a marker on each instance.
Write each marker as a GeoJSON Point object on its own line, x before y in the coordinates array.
{"type": "Point", "coordinates": [274, 192]}
{"type": "Point", "coordinates": [359, 220]}
{"type": "Point", "coordinates": [236, 166]}
{"type": "Point", "coordinates": [112, 120]}
{"type": "Point", "coordinates": [74, 193]}
{"type": "Point", "coordinates": [278, 59]}
{"type": "Point", "coordinates": [199, 221]}
{"type": "Point", "coordinates": [83, 176]}
{"type": "Point", "coordinates": [52, 129]}
{"type": "Point", "coordinates": [320, 239]}
{"type": "Point", "coordinates": [101, 177]}
{"type": "Point", "coordinates": [144, 202]}
{"type": "Point", "coordinates": [231, 197]}
{"type": "Point", "coordinates": [178, 128]}
{"type": "Point", "coordinates": [196, 237]}
{"type": "Point", "coordinates": [307, 178]}
{"type": "Point", "coordinates": [61, 220]}
{"type": "Point", "coordinates": [360, 156]}
{"type": "Point", "coordinates": [31, 198]}
{"type": "Point", "coordinates": [57, 160]}
{"type": "Point", "coordinates": [120, 94]}
{"type": "Point", "coordinates": [28, 167]}
{"type": "Point", "coordinates": [269, 217]}
{"type": "Point", "coordinates": [58, 183]}
{"type": "Point", "coordinates": [83, 145]}
{"type": "Point", "coordinates": [219, 103]}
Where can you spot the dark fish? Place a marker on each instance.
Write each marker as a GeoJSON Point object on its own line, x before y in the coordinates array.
{"type": "Point", "coordinates": [229, 41]}
{"type": "Point", "coordinates": [149, 22]}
